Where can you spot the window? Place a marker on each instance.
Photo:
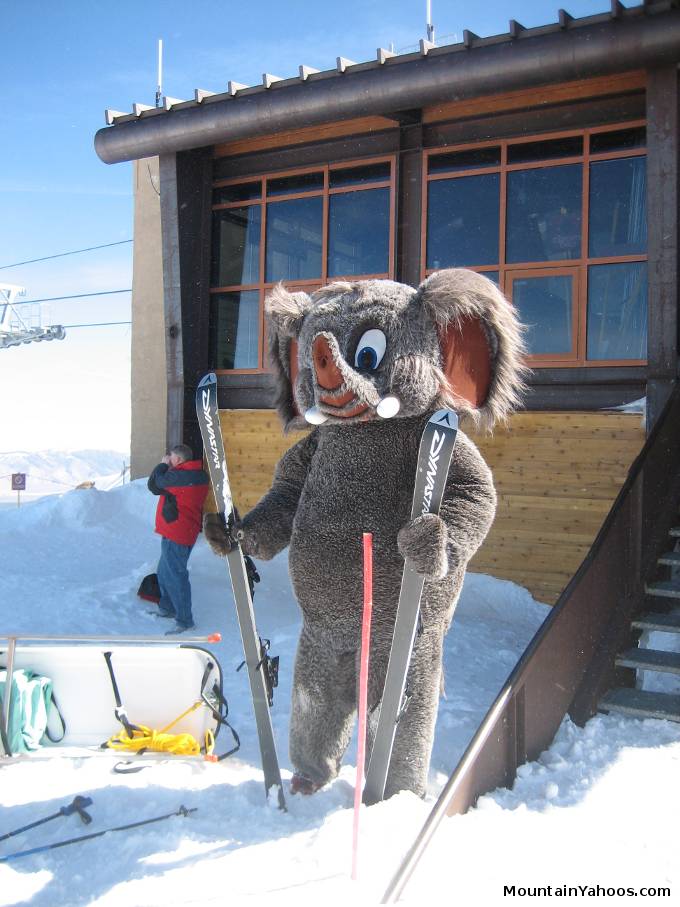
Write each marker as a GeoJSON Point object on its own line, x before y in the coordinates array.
{"type": "Point", "coordinates": [560, 223]}
{"type": "Point", "coordinates": [294, 239]}
{"type": "Point", "coordinates": [543, 214]}
{"type": "Point", "coordinates": [358, 232]}
{"type": "Point", "coordinates": [234, 330]}
{"type": "Point", "coordinates": [617, 311]}
{"type": "Point", "coordinates": [306, 228]}
{"type": "Point", "coordinates": [236, 246]}
{"type": "Point", "coordinates": [463, 219]}
{"type": "Point", "coordinates": [618, 225]}
{"type": "Point", "coordinates": [545, 301]}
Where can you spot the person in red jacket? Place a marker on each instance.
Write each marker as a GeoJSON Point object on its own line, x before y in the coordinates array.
{"type": "Point", "coordinates": [183, 486]}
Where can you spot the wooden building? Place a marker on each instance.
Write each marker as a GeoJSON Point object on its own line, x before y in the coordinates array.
{"type": "Point", "coordinates": [546, 158]}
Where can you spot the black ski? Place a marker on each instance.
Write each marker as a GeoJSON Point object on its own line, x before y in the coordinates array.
{"type": "Point", "coordinates": [255, 652]}
{"type": "Point", "coordinates": [434, 458]}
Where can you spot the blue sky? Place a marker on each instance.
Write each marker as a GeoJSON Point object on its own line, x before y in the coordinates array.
{"type": "Point", "coordinates": [62, 65]}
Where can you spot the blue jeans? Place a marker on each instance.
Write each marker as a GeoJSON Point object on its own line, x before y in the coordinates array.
{"type": "Point", "coordinates": [173, 579]}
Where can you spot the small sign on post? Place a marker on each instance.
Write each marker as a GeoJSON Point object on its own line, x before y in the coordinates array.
{"type": "Point", "coordinates": [18, 485]}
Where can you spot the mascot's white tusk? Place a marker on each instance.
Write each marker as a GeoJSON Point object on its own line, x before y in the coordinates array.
{"type": "Point", "coordinates": [315, 417]}
{"type": "Point", "coordinates": [388, 407]}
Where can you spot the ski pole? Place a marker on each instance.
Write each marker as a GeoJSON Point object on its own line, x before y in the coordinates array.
{"type": "Point", "coordinates": [77, 806]}
{"type": "Point", "coordinates": [182, 811]}
{"type": "Point", "coordinates": [363, 693]}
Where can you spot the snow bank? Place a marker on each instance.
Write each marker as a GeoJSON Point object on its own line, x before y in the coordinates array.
{"type": "Point", "coordinates": [85, 507]}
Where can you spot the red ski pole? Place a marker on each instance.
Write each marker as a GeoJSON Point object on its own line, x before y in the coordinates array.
{"type": "Point", "coordinates": [363, 692]}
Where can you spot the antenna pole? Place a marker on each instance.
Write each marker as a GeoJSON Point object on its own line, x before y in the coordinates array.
{"type": "Point", "coordinates": [159, 88]}
{"type": "Point", "coordinates": [430, 26]}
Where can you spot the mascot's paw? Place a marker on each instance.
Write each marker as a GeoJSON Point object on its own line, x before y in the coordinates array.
{"type": "Point", "coordinates": [301, 784]}
{"type": "Point", "coordinates": [422, 543]}
{"type": "Point", "coordinates": [216, 534]}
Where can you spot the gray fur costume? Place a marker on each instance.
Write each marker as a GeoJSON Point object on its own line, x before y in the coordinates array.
{"type": "Point", "coordinates": [374, 360]}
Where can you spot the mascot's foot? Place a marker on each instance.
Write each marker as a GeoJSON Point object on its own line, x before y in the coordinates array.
{"type": "Point", "coordinates": [300, 784]}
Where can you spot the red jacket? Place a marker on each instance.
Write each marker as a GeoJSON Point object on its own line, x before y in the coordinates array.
{"type": "Point", "coordinates": [183, 491]}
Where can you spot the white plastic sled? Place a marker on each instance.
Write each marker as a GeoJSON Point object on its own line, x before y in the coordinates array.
{"type": "Point", "coordinates": [157, 682]}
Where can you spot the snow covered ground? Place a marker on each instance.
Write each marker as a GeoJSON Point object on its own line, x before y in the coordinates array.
{"type": "Point", "coordinates": [57, 471]}
{"type": "Point", "coordinates": [599, 808]}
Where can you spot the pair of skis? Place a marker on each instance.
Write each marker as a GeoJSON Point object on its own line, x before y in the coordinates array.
{"type": "Point", "coordinates": [434, 458]}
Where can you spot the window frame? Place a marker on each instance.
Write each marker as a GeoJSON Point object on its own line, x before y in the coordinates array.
{"type": "Point", "coordinates": [577, 338]}
{"type": "Point", "coordinates": [507, 272]}
{"type": "Point", "coordinates": [307, 284]}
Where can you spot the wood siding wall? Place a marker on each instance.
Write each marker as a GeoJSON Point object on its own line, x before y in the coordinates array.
{"type": "Point", "coordinates": [557, 475]}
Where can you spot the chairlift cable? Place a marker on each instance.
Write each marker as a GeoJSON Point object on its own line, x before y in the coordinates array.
{"type": "Point", "coordinates": [63, 254]}
{"type": "Point", "coordinates": [76, 296]}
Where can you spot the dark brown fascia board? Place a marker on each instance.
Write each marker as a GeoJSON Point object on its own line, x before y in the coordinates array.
{"type": "Point", "coordinates": [361, 89]}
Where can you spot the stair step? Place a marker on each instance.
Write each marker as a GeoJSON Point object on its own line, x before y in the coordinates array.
{"type": "Point", "coordinates": [650, 660]}
{"type": "Point", "coordinates": [664, 589]}
{"type": "Point", "coordinates": [670, 558]}
{"type": "Point", "coordinates": [666, 623]}
{"type": "Point", "coordinates": [642, 703]}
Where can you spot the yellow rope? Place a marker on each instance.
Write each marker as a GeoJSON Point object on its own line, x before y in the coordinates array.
{"type": "Point", "coordinates": [192, 708]}
{"type": "Point", "coordinates": [145, 738]}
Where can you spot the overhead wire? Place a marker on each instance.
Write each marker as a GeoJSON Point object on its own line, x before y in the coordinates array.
{"type": "Point", "coordinates": [76, 296]}
{"type": "Point", "coordinates": [32, 261]}
{"type": "Point", "coordinates": [96, 324]}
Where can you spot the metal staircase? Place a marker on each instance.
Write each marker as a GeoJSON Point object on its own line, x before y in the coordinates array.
{"type": "Point", "coordinates": [661, 614]}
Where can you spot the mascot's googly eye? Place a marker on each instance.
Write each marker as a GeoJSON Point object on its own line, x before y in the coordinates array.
{"type": "Point", "coordinates": [370, 350]}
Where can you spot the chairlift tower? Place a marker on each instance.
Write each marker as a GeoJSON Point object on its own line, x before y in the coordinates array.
{"type": "Point", "coordinates": [16, 329]}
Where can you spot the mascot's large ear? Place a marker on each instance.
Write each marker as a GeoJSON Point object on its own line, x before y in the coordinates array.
{"type": "Point", "coordinates": [285, 313]}
{"type": "Point", "coordinates": [480, 340]}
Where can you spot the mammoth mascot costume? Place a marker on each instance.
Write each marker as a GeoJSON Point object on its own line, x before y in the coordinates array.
{"type": "Point", "coordinates": [368, 363]}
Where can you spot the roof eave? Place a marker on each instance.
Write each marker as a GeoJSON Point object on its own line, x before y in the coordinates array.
{"type": "Point", "coordinates": [602, 47]}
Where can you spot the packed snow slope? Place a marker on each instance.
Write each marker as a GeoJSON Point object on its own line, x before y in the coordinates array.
{"type": "Point", "coordinates": [599, 808]}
